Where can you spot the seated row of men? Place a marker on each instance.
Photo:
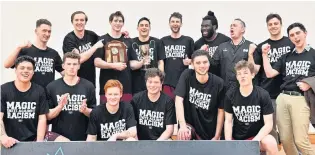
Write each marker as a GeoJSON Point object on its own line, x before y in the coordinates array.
{"type": "Point", "coordinates": [151, 115]}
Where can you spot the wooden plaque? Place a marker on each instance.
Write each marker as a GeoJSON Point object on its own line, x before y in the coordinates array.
{"type": "Point", "coordinates": [115, 51]}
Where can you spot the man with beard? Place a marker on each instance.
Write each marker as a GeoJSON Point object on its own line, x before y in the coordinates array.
{"type": "Point", "coordinates": [83, 42]}
{"type": "Point", "coordinates": [148, 52]}
{"type": "Point", "coordinates": [178, 49]}
{"type": "Point", "coordinates": [210, 39]}
{"type": "Point", "coordinates": [199, 101]}
{"type": "Point", "coordinates": [229, 53]}
{"type": "Point", "coordinates": [115, 70]}
{"type": "Point", "coordinates": [279, 45]}
{"type": "Point", "coordinates": [47, 59]}
{"type": "Point", "coordinates": [154, 110]}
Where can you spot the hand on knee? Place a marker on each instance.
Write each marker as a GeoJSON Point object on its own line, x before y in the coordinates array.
{"type": "Point", "coordinates": [131, 139]}
{"type": "Point", "coordinates": [62, 139]}
{"type": "Point", "coordinates": [269, 145]}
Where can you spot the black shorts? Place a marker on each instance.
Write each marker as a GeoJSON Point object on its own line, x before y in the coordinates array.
{"type": "Point", "coordinates": [50, 136]}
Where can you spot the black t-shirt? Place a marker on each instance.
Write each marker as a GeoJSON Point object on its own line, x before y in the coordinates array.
{"type": "Point", "coordinates": [213, 45]}
{"type": "Point", "coordinates": [201, 102]}
{"type": "Point", "coordinates": [70, 122]}
{"type": "Point", "coordinates": [294, 67]}
{"type": "Point", "coordinates": [103, 124]}
{"type": "Point", "coordinates": [122, 76]}
{"type": "Point", "coordinates": [152, 117]}
{"type": "Point", "coordinates": [71, 41]}
{"type": "Point", "coordinates": [277, 49]}
{"type": "Point", "coordinates": [247, 111]}
{"type": "Point", "coordinates": [22, 109]}
{"type": "Point", "coordinates": [153, 47]}
{"type": "Point", "coordinates": [176, 49]}
{"type": "Point", "coordinates": [47, 61]}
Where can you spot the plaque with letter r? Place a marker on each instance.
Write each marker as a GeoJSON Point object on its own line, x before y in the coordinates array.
{"type": "Point", "coordinates": [115, 51]}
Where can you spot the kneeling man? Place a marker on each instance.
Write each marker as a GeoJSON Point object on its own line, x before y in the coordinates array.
{"type": "Point", "coordinates": [154, 110]}
{"type": "Point", "coordinates": [113, 120]}
{"type": "Point", "coordinates": [251, 109]}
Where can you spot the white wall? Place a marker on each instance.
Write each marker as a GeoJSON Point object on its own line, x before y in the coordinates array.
{"type": "Point", "coordinates": [18, 19]}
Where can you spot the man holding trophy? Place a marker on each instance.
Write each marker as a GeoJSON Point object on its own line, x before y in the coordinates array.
{"type": "Point", "coordinates": [148, 55]}
{"type": "Point", "coordinates": [144, 51]}
{"type": "Point", "coordinates": [113, 59]}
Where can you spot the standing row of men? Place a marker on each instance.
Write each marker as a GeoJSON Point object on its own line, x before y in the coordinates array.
{"type": "Point", "coordinates": [172, 54]}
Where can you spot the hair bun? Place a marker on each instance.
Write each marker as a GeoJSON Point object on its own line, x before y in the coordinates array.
{"type": "Point", "coordinates": [210, 13]}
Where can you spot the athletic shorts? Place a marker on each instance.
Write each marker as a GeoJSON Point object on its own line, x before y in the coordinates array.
{"type": "Point", "coordinates": [169, 90]}
{"type": "Point", "coordinates": [50, 136]}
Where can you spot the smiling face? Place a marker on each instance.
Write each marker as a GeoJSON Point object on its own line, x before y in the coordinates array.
{"type": "Point", "coordinates": [79, 21]}
{"type": "Point", "coordinates": [43, 32]}
{"type": "Point", "coordinates": [144, 28]}
{"type": "Point", "coordinates": [154, 85]}
{"type": "Point", "coordinates": [117, 23]}
{"type": "Point", "coordinates": [175, 24]}
{"type": "Point", "coordinates": [298, 37]}
{"type": "Point", "coordinates": [201, 64]}
{"type": "Point", "coordinates": [24, 71]}
{"type": "Point", "coordinates": [207, 29]}
{"type": "Point", "coordinates": [113, 95]}
{"type": "Point", "coordinates": [274, 26]}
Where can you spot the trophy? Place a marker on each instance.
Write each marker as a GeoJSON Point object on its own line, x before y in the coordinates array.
{"type": "Point", "coordinates": [115, 51]}
{"type": "Point", "coordinates": [145, 54]}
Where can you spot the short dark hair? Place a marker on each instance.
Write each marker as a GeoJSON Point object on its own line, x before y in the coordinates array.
{"type": "Point", "coordinates": [300, 25]}
{"type": "Point", "coordinates": [200, 53]}
{"type": "Point", "coordinates": [78, 12]}
{"type": "Point", "coordinates": [71, 55]}
{"type": "Point", "coordinates": [24, 58]}
{"type": "Point", "coordinates": [116, 14]}
{"type": "Point", "coordinates": [176, 15]}
{"type": "Point", "coordinates": [39, 22]}
{"type": "Point", "coordinates": [153, 72]}
{"type": "Point", "coordinates": [273, 15]}
{"type": "Point", "coordinates": [242, 22]}
{"type": "Point", "coordinates": [212, 18]}
{"type": "Point", "coordinates": [144, 18]}
{"type": "Point", "coordinates": [244, 64]}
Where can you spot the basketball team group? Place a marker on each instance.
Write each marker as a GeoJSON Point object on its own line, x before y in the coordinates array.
{"type": "Point", "coordinates": [171, 88]}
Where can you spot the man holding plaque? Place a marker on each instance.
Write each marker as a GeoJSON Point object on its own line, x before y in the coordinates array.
{"type": "Point", "coordinates": [148, 55]}
{"type": "Point", "coordinates": [178, 49]}
{"type": "Point", "coordinates": [113, 59]}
